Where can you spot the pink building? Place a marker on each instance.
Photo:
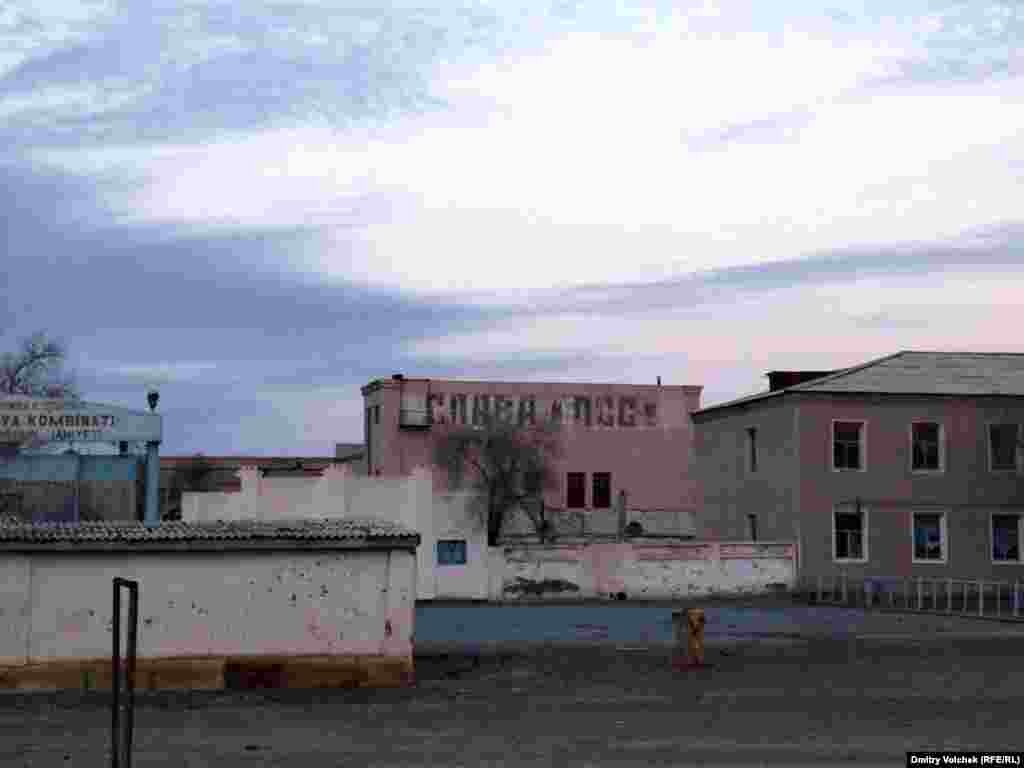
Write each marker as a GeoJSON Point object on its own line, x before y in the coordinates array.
{"type": "Point", "coordinates": [617, 438]}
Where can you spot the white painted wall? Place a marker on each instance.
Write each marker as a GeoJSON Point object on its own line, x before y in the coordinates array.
{"type": "Point", "coordinates": [58, 605]}
{"type": "Point", "coordinates": [641, 570]}
{"type": "Point", "coordinates": [409, 501]}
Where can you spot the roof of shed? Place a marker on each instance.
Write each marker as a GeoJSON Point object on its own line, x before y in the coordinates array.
{"type": "Point", "coordinates": [334, 533]}
{"type": "Point", "coordinates": [968, 374]}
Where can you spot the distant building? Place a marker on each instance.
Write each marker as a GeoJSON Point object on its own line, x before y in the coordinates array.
{"type": "Point", "coordinates": [909, 465]}
{"type": "Point", "coordinates": [616, 438]}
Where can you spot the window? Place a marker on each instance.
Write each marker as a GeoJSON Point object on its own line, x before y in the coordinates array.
{"type": "Point", "coordinates": [850, 541]}
{"type": "Point", "coordinates": [451, 552]}
{"type": "Point", "coordinates": [1002, 442]}
{"type": "Point", "coordinates": [847, 445]}
{"type": "Point", "coordinates": [1006, 538]}
{"type": "Point", "coordinates": [752, 449]}
{"type": "Point", "coordinates": [926, 447]}
{"type": "Point", "coordinates": [929, 537]}
{"type": "Point", "coordinates": [575, 490]}
{"type": "Point", "coordinates": [752, 526]}
{"type": "Point", "coordinates": [602, 497]}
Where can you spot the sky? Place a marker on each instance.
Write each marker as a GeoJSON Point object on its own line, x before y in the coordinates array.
{"type": "Point", "coordinates": [260, 207]}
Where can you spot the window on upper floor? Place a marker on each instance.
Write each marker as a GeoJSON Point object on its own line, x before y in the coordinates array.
{"type": "Point", "coordinates": [752, 449]}
{"type": "Point", "coordinates": [848, 449]}
{"type": "Point", "coordinates": [926, 447]}
{"type": "Point", "coordinates": [576, 490]}
{"type": "Point", "coordinates": [1006, 536]}
{"type": "Point", "coordinates": [602, 490]}
{"type": "Point", "coordinates": [1003, 447]}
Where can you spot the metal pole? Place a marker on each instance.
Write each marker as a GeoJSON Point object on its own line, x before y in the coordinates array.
{"type": "Point", "coordinates": [981, 597]}
{"type": "Point", "coordinates": [845, 592]}
{"type": "Point", "coordinates": [121, 749]}
{"type": "Point", "coordinates": [920, 593]}
{"type": "Point", "coordinates": [133, 632]}
{"type": "Point", "coordinates": [949, 595]}
{"type": "Point", "coordinates": [115, 682]}
{"type": "Point", "coordinates": [821, 588]}
{"type": "Point", "coordinates": [906, 594]}
{"type": "Point", "coordinates": [1016, 598]}
{"type": "Point", "coordinates": [152, 515]}
{"type": "Point", "coordinates": [963, 608]}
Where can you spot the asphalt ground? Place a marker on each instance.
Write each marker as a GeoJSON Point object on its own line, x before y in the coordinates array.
{"type": "Point", "coordinates": [766, 701]}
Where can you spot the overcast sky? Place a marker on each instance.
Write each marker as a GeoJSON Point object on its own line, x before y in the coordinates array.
{"type": "Point", "coordinates": [263, 206]}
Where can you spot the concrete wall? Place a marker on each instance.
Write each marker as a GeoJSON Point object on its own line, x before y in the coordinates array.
{"type": "Point", "coordinates": [342, 492]}
{"type": "Point", "coordinates": [650, 459]}
{"type": "Point", "coordinates": [339, 492]}
{"type": "Point", "coordinates": [208, 605]}
{"type": "Point", "coordinates": [455, 516]}
{"type": "Point", "coordinates": [605, 522]}
{"type": "Point", "coordinates": [730, 490]}
{"type": "Point", "coordinates": [641, 569]}
{"type": "Point", "coordinates": [889, 491]}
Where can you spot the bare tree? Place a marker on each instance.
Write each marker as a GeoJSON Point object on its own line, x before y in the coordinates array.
{"type": "Point", "coordinates": [509, 465]}
{"type": "Point", "coordinates": [35, 369]}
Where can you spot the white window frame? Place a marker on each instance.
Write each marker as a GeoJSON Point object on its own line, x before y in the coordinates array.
{"type": "Point", "coordinates": [943, 536]}
{"type": "Point", "coordinates": [988, 448]}
{"type": "Point", "coordinates": [851, 509]}
{"type": "Point", "coordinates": [753, 456]}
{"type": "Point", "coordinates": [863, 447]}
{"type": "Point", "coordinates": [992, 536]}
{"type": "Point", "coordinates": [942, 448]}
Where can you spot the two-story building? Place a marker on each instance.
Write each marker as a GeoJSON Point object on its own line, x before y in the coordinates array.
{"type": "Point", "coordinates": [910, 465]}
{"type": "Point", "coordinates": [618, 441]}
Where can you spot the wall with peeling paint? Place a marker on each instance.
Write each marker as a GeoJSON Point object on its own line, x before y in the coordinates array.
{"type": "Point", "coordinates": [354, 602]}
{"type": "Point", "coordinates": [642, 570]}
{"type": "Point", "coordinates": [340, 492]}
{"type": "Point", "coordinates": [647, 446]}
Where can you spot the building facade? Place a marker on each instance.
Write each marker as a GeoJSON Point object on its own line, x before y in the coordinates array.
{"type": "Point", "coordinates": [629, 444]}
{"type": "Point", "coordinates": [906, 466]}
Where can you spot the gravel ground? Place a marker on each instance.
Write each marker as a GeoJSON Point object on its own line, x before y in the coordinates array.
{"type": "Point", "coordinates": [778, 702]}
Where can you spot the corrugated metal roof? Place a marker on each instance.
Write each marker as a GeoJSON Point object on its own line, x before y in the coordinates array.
{"type": "Point", "coordinates": [966, 374]}
{"type": "Point", "coordinates": [930, 373]}
{"type": "Point", "coordinates": [348, 530]}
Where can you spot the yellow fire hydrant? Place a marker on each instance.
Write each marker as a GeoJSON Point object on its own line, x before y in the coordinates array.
{"type": "Point", "coordinates": [690, 624]}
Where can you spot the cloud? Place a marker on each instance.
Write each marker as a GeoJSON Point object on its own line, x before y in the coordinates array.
{"type": "Point", "coordinates": [585, 161]}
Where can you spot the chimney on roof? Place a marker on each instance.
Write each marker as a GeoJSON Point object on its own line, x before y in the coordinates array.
{"type": "Point", "coordinates": [782, 379]}
{"type": "Point", "coordinates": [659, 381]}
{"type": "Point", "coordinates": [397, 376]}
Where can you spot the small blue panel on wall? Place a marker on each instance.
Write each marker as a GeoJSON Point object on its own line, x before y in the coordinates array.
{"type": "Point", "coordinates": [451, 552]}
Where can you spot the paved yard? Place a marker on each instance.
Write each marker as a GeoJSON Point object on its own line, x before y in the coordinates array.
{"type": "Point", "coordinates": [472, 625]}
{"type": "Point", "coordinates": [779, 702]}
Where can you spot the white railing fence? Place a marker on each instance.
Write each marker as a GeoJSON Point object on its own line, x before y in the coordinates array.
{"type": "Point", "coordinates": [984, 598]}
